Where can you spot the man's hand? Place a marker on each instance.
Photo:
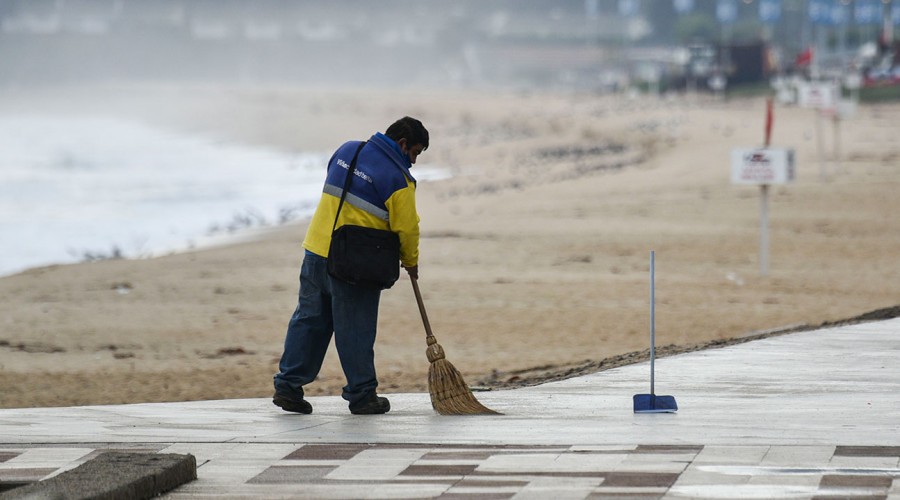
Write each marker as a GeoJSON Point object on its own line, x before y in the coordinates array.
{"type": "Point", "coordinates": [413, 271]}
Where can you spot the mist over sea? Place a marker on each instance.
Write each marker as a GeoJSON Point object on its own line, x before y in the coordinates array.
{"type": "Point", "coordinates": [77, 188]}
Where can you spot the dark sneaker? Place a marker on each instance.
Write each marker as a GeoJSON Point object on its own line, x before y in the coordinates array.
{"type": "Point", "coordinates": [288, 403]}
{"type": "Point", "coordinates": [372, 404]}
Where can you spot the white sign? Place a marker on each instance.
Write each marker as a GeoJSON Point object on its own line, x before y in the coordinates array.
{"type": "Point", "coordinates": [762, 166]}
{"type": "Point", "coordinates": [817, 95]}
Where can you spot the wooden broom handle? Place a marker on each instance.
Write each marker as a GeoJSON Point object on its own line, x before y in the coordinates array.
{"type": "Point", "coordinates": [415, 284]}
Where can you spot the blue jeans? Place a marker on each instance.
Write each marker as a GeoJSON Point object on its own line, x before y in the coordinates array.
{"type": "Point", "coordinates": [327, 306]}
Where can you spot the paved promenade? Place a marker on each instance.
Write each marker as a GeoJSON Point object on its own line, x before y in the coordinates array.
{"type": "Point", "coordinates": [810, 415]}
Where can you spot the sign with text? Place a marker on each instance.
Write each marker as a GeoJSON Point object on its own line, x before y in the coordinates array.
{"type": "Point", "coordinates": [762, 166]}
{"type": "Point", "coordinates": [817, 95]}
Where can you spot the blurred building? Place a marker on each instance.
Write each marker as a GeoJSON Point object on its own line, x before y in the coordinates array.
{"type": "Point", "coordinates": [310, 41]}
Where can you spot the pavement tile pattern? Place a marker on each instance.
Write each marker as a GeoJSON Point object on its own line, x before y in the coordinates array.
{"type": "Point", "coordinates": [354, 470]}
{"type": "Point", "coordinates": [810, 415]}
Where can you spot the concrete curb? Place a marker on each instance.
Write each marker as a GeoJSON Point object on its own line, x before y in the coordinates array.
{"type": "Point", "coordinates": [114, 475]}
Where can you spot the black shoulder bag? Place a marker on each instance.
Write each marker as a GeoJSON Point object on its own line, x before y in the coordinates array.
{"type": "Point", "coordinates": [361, 255]}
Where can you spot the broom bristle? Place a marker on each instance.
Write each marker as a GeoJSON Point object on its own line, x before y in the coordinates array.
{"type": "Point", "coordinates": [449, 393]}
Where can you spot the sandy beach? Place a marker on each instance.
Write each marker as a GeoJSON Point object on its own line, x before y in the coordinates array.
{"type": "Point", "coordinates": [535, 254]}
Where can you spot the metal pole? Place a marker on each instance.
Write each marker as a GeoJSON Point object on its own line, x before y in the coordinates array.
{"type": "Point", "coordinates": [837, 135]}
{"type": "Point", "coordinates": [652, 319]}
{"type": "Point", "coordinates": [887, 23]}
{"type": "Point", "coordinates": [820, 146]}
{"type": "Point", "coordinates": [764, 230]}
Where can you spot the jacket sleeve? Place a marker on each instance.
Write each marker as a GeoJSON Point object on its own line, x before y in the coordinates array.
{"type": "Point", "coordinates": [404, 220]}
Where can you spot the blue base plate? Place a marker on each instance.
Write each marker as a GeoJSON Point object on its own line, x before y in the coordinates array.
{"type": "Point", "coordinates": [651, 403]}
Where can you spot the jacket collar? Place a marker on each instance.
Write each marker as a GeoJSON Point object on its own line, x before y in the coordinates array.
{"type": "Point", "coordinates": [392, 150]}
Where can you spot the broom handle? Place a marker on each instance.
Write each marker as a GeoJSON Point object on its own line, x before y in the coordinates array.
{"type": "Point", "coordinates": [415, 284]}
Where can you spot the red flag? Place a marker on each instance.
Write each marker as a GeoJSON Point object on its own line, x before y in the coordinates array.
{"type": "Point", "coordinates": [804, 58]}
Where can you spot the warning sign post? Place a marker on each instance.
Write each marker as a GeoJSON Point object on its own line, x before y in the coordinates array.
{"type": "Point", "coordinates": [762, 167]}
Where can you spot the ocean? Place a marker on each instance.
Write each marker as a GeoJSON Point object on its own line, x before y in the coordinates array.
{"type": "Point", "coordinates": [75, 189]}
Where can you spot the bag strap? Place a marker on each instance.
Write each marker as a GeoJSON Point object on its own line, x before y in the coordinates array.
{"type": "Point", "coordinates": [350, 170]}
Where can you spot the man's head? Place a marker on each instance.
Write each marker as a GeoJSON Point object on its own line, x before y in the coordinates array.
{"type": "Point", "coordinates": [410, 135]}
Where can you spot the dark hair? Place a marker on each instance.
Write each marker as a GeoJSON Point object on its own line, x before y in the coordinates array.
{"type": "Point", "coordinates": [410, 129]}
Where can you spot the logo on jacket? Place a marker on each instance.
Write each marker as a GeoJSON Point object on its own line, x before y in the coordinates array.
{"type": "Point", "coordinates": [356, 172]}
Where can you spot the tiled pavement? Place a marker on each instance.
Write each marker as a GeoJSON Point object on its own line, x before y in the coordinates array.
{"type": "Point", "coordinates": [807, 415]}
{"type": "Point", "coordinates": [499, 472]}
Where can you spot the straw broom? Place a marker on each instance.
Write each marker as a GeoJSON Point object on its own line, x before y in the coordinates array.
{"type": "Point", "coordinates": [449, 393]}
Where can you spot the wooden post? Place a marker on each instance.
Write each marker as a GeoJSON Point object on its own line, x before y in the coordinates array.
{"type": "Point", "coordinates": [764, 202]}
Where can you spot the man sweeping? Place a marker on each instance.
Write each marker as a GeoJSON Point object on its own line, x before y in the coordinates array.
{"type": "Point", "coordinates": [381, 195]}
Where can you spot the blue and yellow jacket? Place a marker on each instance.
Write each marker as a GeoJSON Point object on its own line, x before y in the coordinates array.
{"type": "Point", "coordinates": [382, 195]}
